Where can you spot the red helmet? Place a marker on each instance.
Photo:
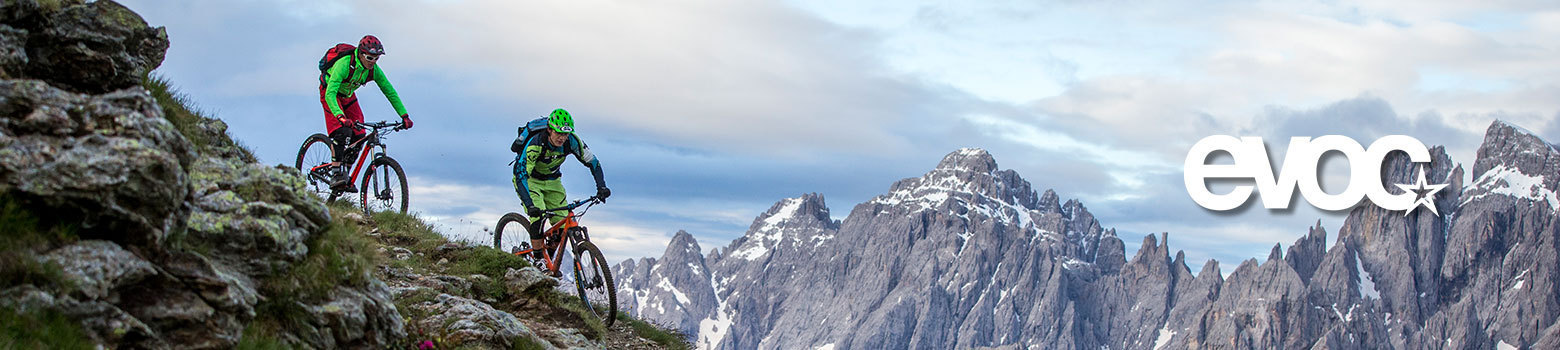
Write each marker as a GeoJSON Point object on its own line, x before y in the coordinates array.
{"type": "Point", "coordinates": [370, 45]}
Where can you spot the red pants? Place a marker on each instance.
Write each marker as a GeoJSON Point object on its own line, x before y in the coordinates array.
{"type": "Point", "coordinates": [349, 107]}
{"type": "Point", "coordinates": [343, 138]}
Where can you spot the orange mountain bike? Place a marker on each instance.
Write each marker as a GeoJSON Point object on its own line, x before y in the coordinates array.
{"type": "Point", "coordinates": [592, 275]}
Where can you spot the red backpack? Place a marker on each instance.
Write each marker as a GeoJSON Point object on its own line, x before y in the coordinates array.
{"type": "Point", "coordinates": [337, 52]}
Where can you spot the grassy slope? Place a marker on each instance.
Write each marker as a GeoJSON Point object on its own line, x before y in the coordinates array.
{"type": "Point", "coordinates": [410, 232]}
{"type": "Point", "coordinates": [346, 255]}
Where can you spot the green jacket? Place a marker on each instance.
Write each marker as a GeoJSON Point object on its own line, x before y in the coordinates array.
{"type": "Point", "coordinates": [337, 83]}
{"type": "Point", "coordinates": [540, 161]}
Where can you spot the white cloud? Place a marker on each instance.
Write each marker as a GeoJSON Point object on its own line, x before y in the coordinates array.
{"type": "Point", "coordinates": [748, 77]}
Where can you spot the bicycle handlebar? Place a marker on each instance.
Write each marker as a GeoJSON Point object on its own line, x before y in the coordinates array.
{"type": "Point", "coordinates": [380, 125]}
{"type": "Point", "coordinates": [571, 206]}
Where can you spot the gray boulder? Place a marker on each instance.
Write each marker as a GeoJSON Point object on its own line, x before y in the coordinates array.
{"type": "Point", "coordinates": [109, 160]}
{"type": "Point", "coordinates": [474, 323]}
{"type": "Point", "coordinates": [355, 318]}
{"type": "Point", "coordinates": [98, 267]}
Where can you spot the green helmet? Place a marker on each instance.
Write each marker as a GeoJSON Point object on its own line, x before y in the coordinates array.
{"type": "Point", "coordinates": [560, 121]}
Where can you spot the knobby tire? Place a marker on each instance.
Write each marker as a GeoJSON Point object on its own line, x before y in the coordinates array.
{"type": "Point", "coordinates": [598, 263]}
{"type": "Point", "coordinates": [374, 181]}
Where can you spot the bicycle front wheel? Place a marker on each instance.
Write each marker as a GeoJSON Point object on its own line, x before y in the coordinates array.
{"type": "Point", "coordinates": [384, 187]}
{"type": "Point", "coordinates": [593, 282]}
{"type": "Point", "coordinates": [313, 158]}
{"type": "Point", "coordinates": [513, 223]}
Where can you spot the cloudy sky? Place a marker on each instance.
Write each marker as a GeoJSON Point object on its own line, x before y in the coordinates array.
{"type": "Point", "coordinates": [706, 112]}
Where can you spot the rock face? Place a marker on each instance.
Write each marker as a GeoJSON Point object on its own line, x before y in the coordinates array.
{"type": "Point", "coordinates": [969, 256]}
{"type": "Point", "coordinates": [171, 243]}
{"type": "Point", "coordinates": [83, 47]}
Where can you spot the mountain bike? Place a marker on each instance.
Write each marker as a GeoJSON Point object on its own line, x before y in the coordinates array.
{"type": "Point", "coordinates": [592, 275]}
{"type": "Point", "coordinates": [384, 183]}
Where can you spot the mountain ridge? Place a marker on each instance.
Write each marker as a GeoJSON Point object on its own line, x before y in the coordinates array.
{"type": "Point", "coordinates": [950, 249]}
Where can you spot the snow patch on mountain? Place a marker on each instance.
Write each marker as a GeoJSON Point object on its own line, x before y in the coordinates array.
{"type": "Point", "coordinates": [1367, 282]}
{"type": "Point", "coordinates": [1513, 182]}
{"type": "Point", "coordinates": [1165, 334]}
{"type": "Point", "coordinates": [771, 232]}
{"type": "Point", "coordinates": [666, 284]}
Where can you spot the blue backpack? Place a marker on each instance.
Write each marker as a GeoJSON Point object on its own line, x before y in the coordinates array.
{"type": "Point", "coordinates": [531, 128]}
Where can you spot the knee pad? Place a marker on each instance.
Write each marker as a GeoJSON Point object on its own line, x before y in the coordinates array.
{"type": "Point", "coordinates": [535, 229]}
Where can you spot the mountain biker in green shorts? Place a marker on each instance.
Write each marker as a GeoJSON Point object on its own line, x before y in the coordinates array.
{"type": "Point", "coordinates": [537, 177]}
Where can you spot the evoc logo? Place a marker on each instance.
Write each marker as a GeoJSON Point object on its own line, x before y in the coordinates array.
{"type": "Point", "coordinates": [1299, 170]}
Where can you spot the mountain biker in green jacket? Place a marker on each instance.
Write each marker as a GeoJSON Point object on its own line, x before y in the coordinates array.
{"type": "Point", "coordinates": [337, 95]}
{"type": "Point", "coordinates": [537, 177]}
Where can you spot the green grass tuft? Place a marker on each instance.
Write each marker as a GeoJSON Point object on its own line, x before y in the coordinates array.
{"type": "Point", "coordinates": [22, 235]}
{"type": "Point", "coordinates": [256, 338]}
{"type": "Point", "coordinates": [488, 262]}
{"type": "Point", "coordinates": [40, 329]}
{"type": "Point", "coordinates": [666, 337]}
{"type": "Point", "coordinates": [339, 256]}
{"type": "Point", "coordinates": [405, 303]}
{"type": "Point", "coordinates": [411, 232]}
{"type": "Point", "coordinates": [22, 229]}
{"type": "Point", "coordinates": [525, 343]}
{"type": "Point", "coordinates": [598, 329]}
{"type": "Point", "coordinates": [594, 328]}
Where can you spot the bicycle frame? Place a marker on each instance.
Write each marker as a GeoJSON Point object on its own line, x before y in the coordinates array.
{"type": "Point", "coordinates": [367, 144]}
{"type": "Point", "coordinates": [553, 255]}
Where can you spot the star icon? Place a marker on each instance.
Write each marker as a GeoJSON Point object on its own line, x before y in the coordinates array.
{"type": "Point", "coordinates": [1423, 193]}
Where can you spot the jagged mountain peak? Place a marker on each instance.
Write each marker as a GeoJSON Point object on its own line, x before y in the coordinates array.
{"type": "Point", "coordinates": [1307, 252]}
{"type": "Point", "coordinates": [802, 210]}
{"type": "Point", "coordinates": [969, 175]}
{"type": "Point", "coordinates": [1511, 146]}
{"type": "Point", "coordinates": [1210, 268]}
{"type": "Point", "coordinates": [682, 244]}
{"type": "Point", "coordinates": [1049, 202]}
{"type": "Point", "coordinates": [969, 159]}
{"type": "Point", "coordinates": [789, 222]}
{"type": "Point", "coordinates": [1518, 163]}
{"type": "Point", "coordinates": [1155, 247]}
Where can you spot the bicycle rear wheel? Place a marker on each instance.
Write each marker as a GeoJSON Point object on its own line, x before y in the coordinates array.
{"type": "Point", "coordinates": [384, 187]}
{"type": "Point", "coordinates": [513, 223]}
{"type": "Point", "coordinates": [593, 282]}
{"type": "Point", "coordinates": [313, 155]}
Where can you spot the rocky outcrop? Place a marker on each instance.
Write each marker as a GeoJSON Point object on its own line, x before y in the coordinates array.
{"type": "Point", "coordinates": [168, 247]}
{"type": "Point", "coordinates": [110, 160]}
{"type": "Point", "coordinates": [86, 47]}
{"type": "Point", "coordinates": [968, 256]}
